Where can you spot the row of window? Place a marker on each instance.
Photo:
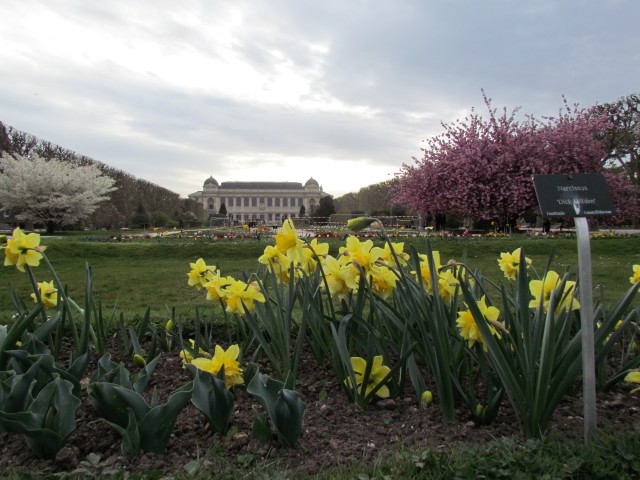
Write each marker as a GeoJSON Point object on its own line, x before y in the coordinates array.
{"type": "Point", "coordinates": [269, 217]}
{"type": "Point", "coordinates": [255, 201]}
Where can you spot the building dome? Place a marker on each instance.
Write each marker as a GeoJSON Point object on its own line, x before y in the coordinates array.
{"type": "Point", "coordinates": [312, 183]}
{"type": "Point", "coordinates": [211, 181]}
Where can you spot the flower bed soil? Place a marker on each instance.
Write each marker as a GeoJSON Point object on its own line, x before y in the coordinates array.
{"type": "Point", "coordinates": [336, 432]}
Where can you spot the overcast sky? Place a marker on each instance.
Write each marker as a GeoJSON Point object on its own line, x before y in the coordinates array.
{"type": "Point", "coordinates": [341, 90]}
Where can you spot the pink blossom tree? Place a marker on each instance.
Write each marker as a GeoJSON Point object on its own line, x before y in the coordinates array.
{"type": "Point", "coordinates": [482, 168]}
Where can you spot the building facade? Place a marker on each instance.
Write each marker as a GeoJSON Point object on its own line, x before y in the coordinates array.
{"type": "Point", "coordinates": [259, 202]}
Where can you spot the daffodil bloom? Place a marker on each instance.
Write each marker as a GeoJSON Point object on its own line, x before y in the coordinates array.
{"type": "Point", "coordinates": [341, 278]}
{"type": "Point", "coordinates": [447, 282]}
{"type": "Point", "coordinates": [186, 355]}
{"type": "Point", "coordinates": [360, 253]}
{"type": "Point", "coordinates": [383, 281]}
{"type": "Point", "coordinates": [200, 273]}
{"type": "Point", "coordinates": [636, 275]}
{"type": "Point", "coordinates": [215, 287]}
{"type": "Point", "coordinates": [48, 294]}
{"type": "Point", "coordinates": [278, 261]}
{"type": "Point", "coordinates": [23, 249]}
{"type": "Point", "coordinates": [510, 263]}
{"type": "Point", "coordinates": [469, 328]}
{"type": "Point", "coordinates": [541, 290]}
{"type": "Point", "coordinates": [314, 251]}
{"type": "Point", "coordinates": [376, 375]}
{"type": "Point", "coordinates": [387, 254]}
{"type": "Point", "coordinates": [633, 377]}
{"type": "Point", "coordinates": [237, 293]}
{"type": "Point", "coordinates": [221, 357]}
{"type": "Point", "coordinates": [288, 243]}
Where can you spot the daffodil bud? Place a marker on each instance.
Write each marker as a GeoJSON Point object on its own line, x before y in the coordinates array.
{"type": "Point", "coordinates": [479, 410]}
{"type": "Point", "coordinates": [138, 361]}
{"type": "Point", "coordinates": [168, 327]}
{"type": "Point", "coordinates": [359, 223]}
{"type": "Point", "coordinates": [426, 398]}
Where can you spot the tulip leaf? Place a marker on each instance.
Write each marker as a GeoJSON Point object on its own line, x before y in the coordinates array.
{"type": "Point", "coordinates": [284, 407]}
{"type": "Point", "coordinates": [212, 398]}
{"type": "Point", "coordinates": [49, 419]}
{"type": "Point", "coordinates": [157, 424]}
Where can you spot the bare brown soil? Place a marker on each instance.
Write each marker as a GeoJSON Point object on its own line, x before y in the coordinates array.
{"type": "Point", "coordinates": [335, 431]}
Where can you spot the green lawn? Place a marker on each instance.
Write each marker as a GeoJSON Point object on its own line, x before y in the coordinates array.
{"type": "Point", "coordinates": [153, 272]}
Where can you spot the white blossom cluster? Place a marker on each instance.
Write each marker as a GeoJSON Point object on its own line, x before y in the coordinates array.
{"type": "Point", "coordinates": [50, 192]}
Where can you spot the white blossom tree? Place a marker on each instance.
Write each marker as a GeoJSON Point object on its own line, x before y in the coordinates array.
{"type": "Point", "coordinates": [50, 192]}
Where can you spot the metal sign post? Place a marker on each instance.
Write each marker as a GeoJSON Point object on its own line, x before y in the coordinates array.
{"type": "Point", "coordinates": [579, 196]}
{"type": "Point", "coordinates": [586, 320]}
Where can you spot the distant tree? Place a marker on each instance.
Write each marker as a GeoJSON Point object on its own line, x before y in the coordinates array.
{"type": "Point", "coordinates": [51, 192]}
{"type": "Point", "coordinates": [140, 218]}
{"type": "Point", "coordinates": [223, 210]}
{"type": "Point", "coordinates": [107, 216]}
{"type": "Point", "coordinates": [187, 219]}
{"type": "Point", "coordinates": [302, 211]}
{"type": "Point", "coordinates": [160, 219]}
{"type": "Point", "coordinates": [378, 197]}
{"type": "Point", "coordinates": [622, 140]}
{"type": "Point", "coordinates": [325, 207]}
{"type": "Point", "coordinates": [347, 203]}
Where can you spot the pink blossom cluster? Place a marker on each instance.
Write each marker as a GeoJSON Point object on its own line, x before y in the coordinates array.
{"type": "Point", "coordinates": [483, 168]}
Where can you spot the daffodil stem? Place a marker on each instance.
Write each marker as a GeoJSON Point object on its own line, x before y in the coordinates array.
{"type": "Point", "coordinates": [36, 290]}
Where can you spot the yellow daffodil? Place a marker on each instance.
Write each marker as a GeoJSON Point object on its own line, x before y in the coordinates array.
{"type": "Point", "coordinates": [237, 293]}
{"type": "Point", "coordinates": [510, 263]}
{"type": "Point", "coordinates": [541, 290]}
{"type": "Point", "coordinates": [387, 254]}
{"type": "Point", "coordinates": [23, 249]}
{"type": "Point", "coordinates": [200, 273]}
{"type": "Point", "coordinates": [447, 281]}
{"type": "Point", "coordinates": [48, 294]}
{"type": "Point", "coordinates": [215, 287]}
{"type": "Point", "coordinates": [636, 275]}
{"type": "Point", "coordinates": [288, 243]}
{"type": "Point", "coordinates": [633, 377]}
{"type": "Point", "coordinates": [376, 375]}
{"type": "Point", "coordinates": [341, 278]}
{"type": "Point", "coordinates": [383, 281]}
{"type": "Point", "coordinates": [221, 357]}
{"type": "Point", "coordinates": [360, 253]}
{"type": "Point", "coordinates": [469, 328]}
{"type": "Point", "coordinates": [278, 261]}
{"type": "Point", "coordinates": [186, 355]}
{"type": "Point", "coordinates": [313, 252]}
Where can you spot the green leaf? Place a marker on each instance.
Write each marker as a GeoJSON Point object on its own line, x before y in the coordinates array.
{"type": "Point", "coordinates": [157, 425]}
{"type": "Point", "coordinates": [289, 414]}
{"type": "Point", "coordinates": [261, 428]}
{"type": "Point", "coordinates": [212, 398]}
{"type": "Point", "coordinates": [285, 409]}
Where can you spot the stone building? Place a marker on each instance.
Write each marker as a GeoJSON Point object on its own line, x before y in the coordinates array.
{"type": "Point", "coordinates": [260, 202]}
